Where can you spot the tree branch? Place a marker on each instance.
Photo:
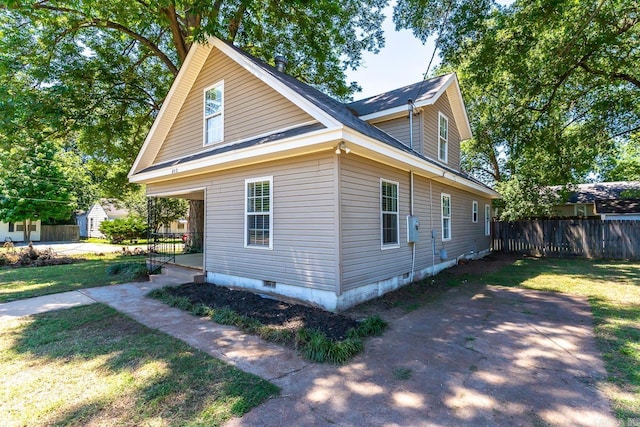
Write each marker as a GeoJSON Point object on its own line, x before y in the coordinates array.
{"type": "Point", "coordinates": [105, 23]}
{"type": "Point", "coordinates": [176, 31]}
{"type": "Point", "coordinates": [615, 76]}
{"type": "Point", "coordinates": [234, 23]}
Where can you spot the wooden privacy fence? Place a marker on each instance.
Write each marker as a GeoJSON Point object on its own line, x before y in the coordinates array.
{"type": "Point", "coordinates": [587, 238]}
{"type": "Point", "coordinates": [60, 233]}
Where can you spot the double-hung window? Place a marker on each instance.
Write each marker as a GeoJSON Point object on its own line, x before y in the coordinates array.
{"type": "Point", "coordinates": [474, 211]}
{"type": "Point", "coordinates": [443, 138]}
{"type": "Point", "coordinates": [258, 212]}
{"type": "Point", "coordinates": [213, 113]}
{"type": "Point", "coordinates": [446, 216]}
{"type": "Point", "coordinates": [487, 220]}
{"type": "Point", "coordinates": [11, 227]}
{"type": "Point", "coordinates": [390, 219]}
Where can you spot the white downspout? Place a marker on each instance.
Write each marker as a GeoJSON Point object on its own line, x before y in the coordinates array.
{"type": "Point", "coordinates": [433, 237]}
{"type": "Point", "coordinates": [413, 251]}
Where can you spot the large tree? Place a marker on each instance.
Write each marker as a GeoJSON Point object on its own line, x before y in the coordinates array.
{"type": "Point", "coordinates": [33, 185]}
{"type": "Point", "coordinates": [112, 62]}
{"type": "Point", "coordinates": [551, 87]}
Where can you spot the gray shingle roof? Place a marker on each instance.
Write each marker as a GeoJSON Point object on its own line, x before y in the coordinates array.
{"type": "Point", "coordinates": [629, 206]}
{"type": "Point", "coordinates": [590, 193]}
{"type": "Point", "coordinates": [245, 144]}
{"type": "Point", "coordinates": [420, 91]}
{"type": "Point", "coordinates": [339, 111]}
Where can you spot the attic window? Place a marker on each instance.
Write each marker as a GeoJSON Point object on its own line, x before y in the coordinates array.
{"type": "Point", "coordinates": [213, 113]}
{"type": "Point", "coordinates": [443, 137]}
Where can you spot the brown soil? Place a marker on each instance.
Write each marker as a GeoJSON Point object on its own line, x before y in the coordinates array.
{"type": "Point", "coordinates": [390, 306]}
{"type": "Point", "coordinates": [268, 311]}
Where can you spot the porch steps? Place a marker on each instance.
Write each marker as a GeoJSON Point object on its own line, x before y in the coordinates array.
{"type": "Point", "coordinates": [177, 274]}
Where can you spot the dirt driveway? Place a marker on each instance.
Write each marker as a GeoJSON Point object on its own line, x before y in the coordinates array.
{"type": "Point", "coordinates": [489, 356]}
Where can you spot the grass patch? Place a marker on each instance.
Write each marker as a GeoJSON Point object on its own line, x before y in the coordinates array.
{"type": "Point", "coordinates": [27, 282]}
{"type": "Point", "coordinates": [92, 366]}
{"type": "Point", "coordinates": [312, 344]}
{"type": "Point", "coordinates": [402, 373]}
{"type": "Point", "coordinates": [613, 290]}
{"type": "Point", "coordinates": [128, 270]}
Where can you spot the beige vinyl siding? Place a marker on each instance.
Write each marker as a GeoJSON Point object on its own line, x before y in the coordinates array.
{"type": "Point", "coordinates": [570, 210]}
{"type": "Point", "coordinates": [466, 236]}
{"type": "Point", "coordinates": [303, 251]}
{"type": "Point", "coordinates": [251, 108]}
{"type": "Point", "coordinates": [399, 129]}
{"type": "Point", "coordinates": [363, 260]}
{"type": "Point", "coordinates": [430, 126]}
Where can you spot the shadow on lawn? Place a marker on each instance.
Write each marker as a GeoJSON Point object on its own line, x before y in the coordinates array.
{"type": "Point", "coordinates": [157, 375]}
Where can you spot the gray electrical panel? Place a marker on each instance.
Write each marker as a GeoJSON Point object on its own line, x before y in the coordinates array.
{"type": "Point", "coordinates": [413, 224]}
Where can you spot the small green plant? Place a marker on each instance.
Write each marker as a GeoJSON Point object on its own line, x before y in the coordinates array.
{"type": "Point", "coordinates": [128, 270]}
{"type": "Point", "coordinates": [276, 335]}
{"type": "Point", "coordinates": [402, 373]}
{"type": "Point", "coordinates": [316, 347]}
{"type": "Point", "coordinates": [371, 326]}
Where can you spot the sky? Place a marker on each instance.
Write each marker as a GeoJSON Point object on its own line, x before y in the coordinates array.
{"type": "Point", "coordinates": [402, 61]}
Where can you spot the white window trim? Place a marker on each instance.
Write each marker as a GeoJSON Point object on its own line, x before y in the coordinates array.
{"type": "Point", "coordinates": [475, 212]}
{"type": "Point", "coordinates": [442, 217]}
{"type": "Point", "coordinates": [246, 213]}
{"type": "Point", "coordinates": [205, 117]}
{"type": "Point", "coordinates": [487, 220]}
{"type": "Point", "coordinates": [384, 246]}
{"type": "Point", "coordinates": [446, 151]}
{"type": "Point", "coordinates": [575, 209]}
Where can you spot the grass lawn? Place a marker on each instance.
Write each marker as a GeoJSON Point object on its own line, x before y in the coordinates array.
{"type": "Point", "coordinates": [92, 366]}
{"type": "Point", "coordinates": [613, 290]}
{"type": "Point", "coordinates": [27, 282]}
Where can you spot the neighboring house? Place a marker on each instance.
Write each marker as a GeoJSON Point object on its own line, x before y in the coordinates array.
{"type": "Point", "coordinates": [310, 198]}
{"type": "Point", "coordinates": [179, 226]}
{"type": "Point", "coordinates": [89, 221]}
{"type": "Point", "coordinates": [604, 200]}
{"type": "Point", "coordinates": [14, 232]}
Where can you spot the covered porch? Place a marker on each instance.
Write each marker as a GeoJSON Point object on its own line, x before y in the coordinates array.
{"type": "Point", "coordinates": [181, 248]}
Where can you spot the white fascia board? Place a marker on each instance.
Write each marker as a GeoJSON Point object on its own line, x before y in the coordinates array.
{"type": "Point", "coordinates": [169, 100]}
{"type": "Point", "coordinates": [465, 133]}
{"type": "Point", "coordinates": [284, 146]}
{"type": "Point", "coordinates": [306, 105]}
{"type": "Point", "coordinates": [413, 161]}
{"type": "Point", "coordinates": [403, 108]}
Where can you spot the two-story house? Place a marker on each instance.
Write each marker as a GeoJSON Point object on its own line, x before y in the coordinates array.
{"type": "Point", "coordinates": [309, 198]}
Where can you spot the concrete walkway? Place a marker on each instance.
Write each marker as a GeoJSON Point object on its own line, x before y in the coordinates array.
{"type": "Point", "coordinates": [500, 357]}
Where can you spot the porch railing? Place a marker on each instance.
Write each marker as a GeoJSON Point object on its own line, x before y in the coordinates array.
{"type": "Point", "coordinates": [162, 248]}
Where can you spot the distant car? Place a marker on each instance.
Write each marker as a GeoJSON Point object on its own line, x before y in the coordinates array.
{"type": "Point", "coordinates": [184, 238]}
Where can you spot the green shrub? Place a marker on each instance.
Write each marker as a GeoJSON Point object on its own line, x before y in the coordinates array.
{"type": "Point", "coordinates": [371, 326]}
{"type": "Point", "coordinates": [121, 229]}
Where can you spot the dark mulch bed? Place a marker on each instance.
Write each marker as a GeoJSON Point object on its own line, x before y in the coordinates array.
{"type": "Point", "coordinates": [390, 306]}
{"type": "Point", "coordinates": [268, 311]}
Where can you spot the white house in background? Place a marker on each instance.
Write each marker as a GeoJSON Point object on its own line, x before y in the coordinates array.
{"type": "Point", "coordinates": [179, 226]}
{"type": "Point", "coordinates": [89, 221]}
{"type": "Point", "coordinates": [14, 232]}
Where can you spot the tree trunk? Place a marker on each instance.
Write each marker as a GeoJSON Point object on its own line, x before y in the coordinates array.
{"type": "Point", "coordinates": [195, 242]}
{"type": "Point", "coordinates": [27, 230]}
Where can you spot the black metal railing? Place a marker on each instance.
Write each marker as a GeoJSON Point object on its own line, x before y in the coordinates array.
{"type": "Point", "coordinates": [162, 248]}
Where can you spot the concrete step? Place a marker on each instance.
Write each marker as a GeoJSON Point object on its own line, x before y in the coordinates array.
{"type": "Point", "coordinates": [177, 274]}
